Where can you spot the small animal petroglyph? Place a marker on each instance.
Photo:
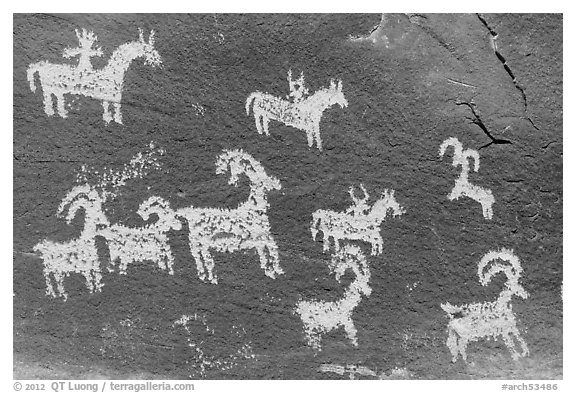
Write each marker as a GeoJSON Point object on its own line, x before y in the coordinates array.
{"type": "Point", "coordinates": [103, 84]}
{"type": "Point", "coordinates": [77, 255]}
{"type": "Point", "coordinates": [148, 243]}
{"type": "Point", "coordinates": [463, 187]}
{"type": "Point", "coordinates": [471, 322]}
{"type": "Point", "coordinates": [358, 222]}
{"type": "Point", "coordinates": [229, 230]}
{"type": "Point", "coordinates": [303, 113]}
{"type": "Point", "coordinates": [320, 317]}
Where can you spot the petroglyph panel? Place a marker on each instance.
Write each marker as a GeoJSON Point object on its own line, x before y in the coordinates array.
{"type": "Point", "coordinates": [353, 255]}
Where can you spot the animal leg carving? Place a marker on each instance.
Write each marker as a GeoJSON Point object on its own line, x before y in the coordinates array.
{"type": "Point", "coordinates": [106, 115]}
{"type": "Point", "coordinates": [117, 113]}
{"type": "Point", "coordinates": [48, 108]}
{"type": "Point", "coordinates": [60, 106]}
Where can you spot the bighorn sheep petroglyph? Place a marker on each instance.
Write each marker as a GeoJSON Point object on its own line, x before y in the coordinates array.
{"type": "Point", "coordinates": [472, 322]}
{"type": "Point", "coordinates": [358, 222]}
{"type": "Point", "coordinates": [245, 227]}
{"type": "Point", "coordinates": [462, 186]}
{"type": "Point", "coordinates": [77, 255]}
{"type": "Point", "coordinates": [320, 317]}
{"type": "Point", "coordinates": [148, 243]}
{"type": "Point", "coordinates": [103, 84]}
{"type": "Point", "coordinates": [304, 113]}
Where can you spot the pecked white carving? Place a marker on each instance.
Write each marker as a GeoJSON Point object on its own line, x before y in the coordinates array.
{"type": "Point", "coordinates": [471, 322]}
{"type": "Point", "coordinates": [126, 245]}
{"type": "Point", "coordinates": [320, 317]}
{"type": "Point", "coordinates": [77, 255]}
{"type": "Point", "coordinates": [303, 113]}
{"type": "Point", "coordinates": [462, 186]}
{"type": "Point", "coordinates": [230, 230]}
{"type": "Point", "coordinates": [148, 243]}
{"type": "Point", "coordinates": [358, 222]}
{"type": "Point", "coordinates": [105, 84]}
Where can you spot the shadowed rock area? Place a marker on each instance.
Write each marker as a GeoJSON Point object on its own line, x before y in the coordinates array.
{"type": "Point", "coordinates": [397, 86]}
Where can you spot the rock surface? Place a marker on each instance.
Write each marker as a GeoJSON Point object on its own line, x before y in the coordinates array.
{"type": "Point", "coordinates": [494, 82]}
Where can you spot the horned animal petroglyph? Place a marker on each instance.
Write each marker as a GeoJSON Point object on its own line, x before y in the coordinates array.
{"type": "Point", "coordinates": [229, 230]}
{"type": "Point", "coordinates": [320, 317]}
{"type": "Point", "coordinates": [105, 84]}
{"type": "Point", "coordinates": [462, 186]}
{"type": "Point", "coordinates": [148, 243]}
{"type": "Point", "coordinates": [358, 222]}
{"type": "Point", "coordinates": [78, 255]}
{"type": "Point", "coordinates": [471, 322]}
{"type": "Point", "coordinates": [304, 113]}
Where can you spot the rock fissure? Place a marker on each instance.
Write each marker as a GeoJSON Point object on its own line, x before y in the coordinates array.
{"type": "Point", "coordinates": [478, 121]}
{"type": "Point", "coordinates": [507, 68]}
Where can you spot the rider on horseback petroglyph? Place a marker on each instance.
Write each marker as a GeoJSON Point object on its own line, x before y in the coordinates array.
{"type": "Point", "coordinates": [84, 51]}
{"type": "Point", "coordinates": [360, 207]}
{"type": "Point", "coordinates": [298, 90]}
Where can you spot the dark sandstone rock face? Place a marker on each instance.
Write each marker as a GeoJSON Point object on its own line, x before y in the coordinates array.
{"type": "Point", "coordinates": [493, 82]}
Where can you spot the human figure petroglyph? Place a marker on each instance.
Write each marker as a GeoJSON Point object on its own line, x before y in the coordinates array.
{"type": "Point", "coordinates": [84, 51]}
{"type": "Point", "coordinates": [358, 222]}
{"type": "Point", "coordinates": [304, 113]}
{"type": "Point", "coordinates": [471, 322]}
{"type": "Point", "coordinates": [462, 186]}
{"type": "Point", "coordinates": [146, 243]}
{"type": "Point", "coordinates": [78, 255]}
{"type": "Point", "coordinates": [298, 89]}
{"type": "Point", "coordinates": [320, 317]}
{"type": "Point", "coordinates": [105, 84]}
{"type": "Point", "coordinates": [360, 206]}
{"type": "Point", "coordinates": [229, 230]}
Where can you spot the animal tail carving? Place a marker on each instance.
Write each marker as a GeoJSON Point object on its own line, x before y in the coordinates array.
{"type": "Point", "coordinates": [249, 100]}
{"type": "Point", "coordinates": [314, 225]}
{"type": "Point", "coordinates": [32, 69]}
{"type": "Point", "coordinates": [452, 311]}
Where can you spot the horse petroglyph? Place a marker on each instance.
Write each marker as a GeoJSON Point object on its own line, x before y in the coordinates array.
{"type": "Point", "coordinates": [77, 255]}
{"type": "Point", "coordinates": [462, 186]}
{"type": "Point", "coordinates": [320, 317]}
{"type": "Point", "coordinates": [303, 113]}
{"type": "Point", "coordinates": [472, 322]}
{"type": "Point", "coordinates": [229, 230]}
{"type": "Point", "coordinates": [358, 222]}
{"type": "Point", "coordinates": [103, 84]}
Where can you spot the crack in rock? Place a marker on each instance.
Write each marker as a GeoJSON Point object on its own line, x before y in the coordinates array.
{"type": "Point", "coordinates": [478, 121]}
{"type": "Point", "coordinates": [507, 68]}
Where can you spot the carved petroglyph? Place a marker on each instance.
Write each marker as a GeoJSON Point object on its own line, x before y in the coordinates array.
{"type": "Point", "coordinates": [353, 370]}
{"type": "Point", "coordinates": [320, 317]}
{"type": "Point", "coordinates": [462, 186]}
{"type": "Point", "coordinates": [126, 245]}
{"type": "Point", "coordinates": [358, 222]}
{"type": "Point", "coordinates": [77, 255]}
{"type": "Point", "coordinates": [471, 322]}
{"type": "Point", "coordinates": [103, 84]}
{"type": "Point", "coordinates": [304, 113]}
{"type": "Point", "coordinates": [148, 243]}
{"type": "Point", "coordinates": [108, 181]}
{"type": "Point", "coordinates": [201, 339]}
{"type": "Point", "coordinates": [229, 230]}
